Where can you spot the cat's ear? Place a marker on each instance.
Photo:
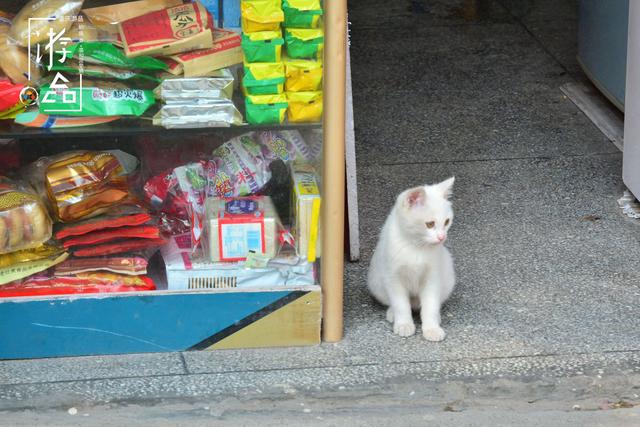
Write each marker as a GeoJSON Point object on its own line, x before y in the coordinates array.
{"type": "Point", "coordinates": [446, 187]}
{"type": "Point", "coordinates": [414, 197]}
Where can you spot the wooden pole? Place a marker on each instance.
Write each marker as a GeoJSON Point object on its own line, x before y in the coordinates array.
{"type": "Point", "coordinates": [333, 169]}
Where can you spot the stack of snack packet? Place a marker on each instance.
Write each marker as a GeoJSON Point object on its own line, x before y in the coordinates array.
{"type": "Point", "coordinates": [304, 38]}
{"type": "Point", "coordinates": [191, 102]}
{"type": "Point", "coordinates": [264, 72]}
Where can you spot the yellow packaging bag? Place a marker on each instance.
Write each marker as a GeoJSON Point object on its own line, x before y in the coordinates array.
{"type": "Point", "coordinates": [261, 15]}
{"type": "Point", "coordinates": [305, 106]}
{"type": "Point", "coordinates": [303, 75]}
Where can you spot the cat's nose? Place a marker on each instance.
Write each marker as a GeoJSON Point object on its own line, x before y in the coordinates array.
{"type": "Point", "coordinates": [441, 237]}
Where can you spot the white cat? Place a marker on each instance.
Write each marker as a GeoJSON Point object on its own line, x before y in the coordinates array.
{"type": "Point", "coordinates": [411, 268]}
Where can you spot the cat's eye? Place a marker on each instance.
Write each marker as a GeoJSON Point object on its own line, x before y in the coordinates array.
{"type": "Point", "coordinates": [446, 222]}
{"type": "Point", "coordinates": [431, 224]}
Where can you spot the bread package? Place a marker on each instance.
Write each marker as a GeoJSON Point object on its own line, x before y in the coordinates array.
{"type": "Point", "coordinates": [56, 10]}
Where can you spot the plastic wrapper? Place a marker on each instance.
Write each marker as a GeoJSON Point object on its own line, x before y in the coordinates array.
{"type": "Point", "coordinates": [24, 263]}
{"type": "Point", "coordinates": [86, 283]}
{"type": "Point", "coordinates": [266, 109]}
{"type": "Point", "coordinates": [106, 236]}
{"type": "Point", "coordinates": [261, 15]}
{"type": "Point", "coordinates": [263, 46]}
{"type": "Point", "coordinates": [15, 59]}
{"type": "Point", "coordinates": [222, 113]}
{"type": "Point", "coordinates": [131, 265]}
{"type": "Point", "coordinates": [301, 13]}
{"type": "Point", "coordinates": [57, 10]}
{"type": "Point", "coordinates": [83, 184]}
{"type": "Point", "coordinates": [304, 106]}
{"type": "Point", "coordinates": [119, 216]}
{"type": "Point", "coordinates": [119, 247]}
{"type": "Point", "coordinates": [263, 78]}
{"type": "Point", "coordinates": [46, 121]}
{"type": "Point", "coordinates": [106, 18]}
{"type": "Point", "coordinates": [304, 43]}
{"type": "Point", "coordinates": [236, 227]}
{"type": "Point", "coordinates": [169, 31]}
{"type": "Point", "coordinates": [96, 98]}
{"type": "Point", "coordinates": [24, 221]}
{"type": "Point", "coordinates": [105, 53]}
{"type": "Point", "coordinates": [303, 75]}
{"type": "Point", "coordinates": [225, 52]}
{"type": "Point", "coordinates": [196, 89]}
{"type": "Point", "coordinates": [10, 102]}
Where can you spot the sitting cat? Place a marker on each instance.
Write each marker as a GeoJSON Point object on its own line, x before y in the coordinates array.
{"type": "Point", "coordinates": [411, 268]}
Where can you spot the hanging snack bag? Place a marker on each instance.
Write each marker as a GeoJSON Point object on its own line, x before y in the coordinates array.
{"type": "Point", "coordinates": [58, 12]}
{"type": "Point", "coordinates": [170, 31]}
{"type": "Point", "coordinates": [261, 15]}
{"type": "Point", "coordinates": [15, 59]}
{"type": "Point", "coordinates": [83, 184]}
{"type": "Point", "coordinates": [303, 75]}
{"type": "Point", "coordinates": [263, 78]}
{"type": "Point", "coordinates": [301, 13]}
{"type": "Point", "coordinates": [263, 46]}
{"type": "Point", "coordinates": [266, 109]}
{"type": "Point", "coordinates": [95, 98]}
{"type": "Point", "coordinates": [225, 52]}
{"type": "Point", "coordinates": [105, 53]}
{"type": "Point", "coordinates": [21, 264]}
{"type": "Point", "coordinates": [304, 43]}
{"type": "Point", "coordinates": [24, 221]}
{"type": "Point", "coordinates": [304, 106]}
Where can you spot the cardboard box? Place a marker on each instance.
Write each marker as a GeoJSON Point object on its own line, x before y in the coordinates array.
{"type": "Point", "coordinates": [306, 205]}
{"type": "Point", "coordinates": [225, 52]}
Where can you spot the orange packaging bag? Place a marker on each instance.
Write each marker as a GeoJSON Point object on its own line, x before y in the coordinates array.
{"type": "Point", "coordinates": [167, 32]}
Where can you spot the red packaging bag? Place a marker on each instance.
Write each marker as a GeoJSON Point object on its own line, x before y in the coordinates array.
{"type": "Point", "coordinates": [104, 236]}
{"type": "Point", "coordinates": [119, 247]}
{"type": "Point", "coordinates": [169, 31]}
{"type": "Point", "coordinates": [120, 216]}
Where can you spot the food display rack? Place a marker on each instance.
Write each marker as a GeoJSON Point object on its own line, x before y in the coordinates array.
{"type": "Point", "coordinates": [165, 321]}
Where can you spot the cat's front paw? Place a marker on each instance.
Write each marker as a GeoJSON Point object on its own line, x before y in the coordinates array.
{"type": "Point", "coordinates": [434, 334]}
{"type": "Point", "coordinates": [404, 329]}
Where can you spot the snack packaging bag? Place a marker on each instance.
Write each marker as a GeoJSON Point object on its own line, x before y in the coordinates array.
{"type": "Point", "coordinates": [169, 31]}
{"type": "Point", "coordinates": [24, 221]}
{"type": "Point", "coordinates": [186, 115]}
{"type": "Point", "coordinates": [304, 107]}
{"type": "Point", "coordinates": [105, 53]}
{"type": "Point", "coordinates": [97, 71]}
{"type": "Point", "coordinates": [83, 184]}
{"type": "Point", "coordinates": [10, 98]}
{"type": "Point", "coordinates": [301, 13]}
{"type": "Point", "coordinates": [85, 283]}
{"type": "Point", "coordinates": [45, 121]}
{"type": "Point", "coordinates": [304, 43]}
{"type": "Point", "coordinates": [56, 10]}
{"type": "Point", "coordinates": [105, 236]}
{"type": "Point", "coordinates": [96, 98]}
{"type": "Point", "coordinates": [236, 227]}
{"type": "Point", "coordinates": [119, 247]}
{"type": "Point", "coordinates": [196, 89]}
{"type": "Point", "coordinates": [306, 210]}
{"type": "Point", "coordinates": [116, 217]}
{"type": "Point", "coordinates": [15, 59]}
{"type": "Point", "coordinates": [24, 263]}
{"type": "Point", "coordinates": [303, 75]}
{"type": "Point", "coordinates": [261, 15]}
{"type": "Point", "coordinates": [266, 109]}
{"type": "Point", "coordinates": [263, 78]}
{"type": "Point", "coordinates": [225, 52]}
{"type": "Point", "coordinates": [174, 67]}
{"type": "Point", "coordinates": [133, 265]}
{"type": "Point", "coordinates": [263, 46]}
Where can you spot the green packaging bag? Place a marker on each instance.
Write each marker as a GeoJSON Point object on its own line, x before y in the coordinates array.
{"type": "Point", "coordinates": [266, 109]}
{"type": "Point", "coordinates": [263, 78]}
{"type": "Point", "coordinates": [263, 46]}
{"type": "Point", "coordinates": [303, 43]}
{"type": "Point", "coordinates": [96, 98]}
{"type": "Point", "coordinates": [105, 53]}
{"type": "Point", "coordinates": [301, 13]}
{"type": "Point", "coordinates": [98, 71]}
